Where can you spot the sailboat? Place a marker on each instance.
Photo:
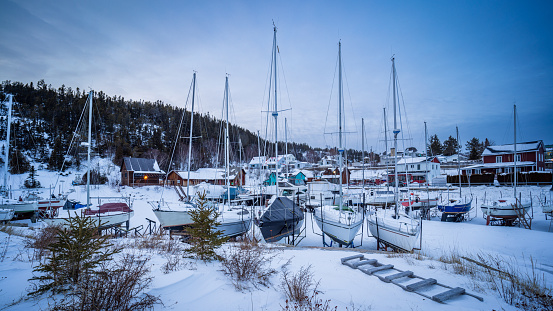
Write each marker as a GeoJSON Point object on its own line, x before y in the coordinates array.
{"type": "Point", "coordinates": [283, 217]}
{"type": "Point", "coordinates": [508, 209]}
{"type": "Point", "coordinates": [234, 220]}
{"type": "Point", "coordinates": [108, 214]}
{"type": "Point", "coordinates": [339, 222]}
{"type": "Point", "coordinates": [397, 231]}
{"type": "Point", "coordinates": [174, 215]}
{"type": "Point", "coordinates": [10, 208]}
{"type": "Point", "coordinates": [455, 208]}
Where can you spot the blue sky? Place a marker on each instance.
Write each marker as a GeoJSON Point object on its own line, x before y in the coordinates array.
{"type": "Point", "coordinates": [460, 63]}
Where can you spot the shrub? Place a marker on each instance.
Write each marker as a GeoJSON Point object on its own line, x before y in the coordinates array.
{"type": "Point", "coordinates": [299, 287]}
{"type": "Point", "coordinates": [247, 265]}
{"type": "Point", "coordinates": [205, 238]}
{"type": "Point", "coordinates": [113, 286]}
{"type": "Point", "coordinates": [77, 250]}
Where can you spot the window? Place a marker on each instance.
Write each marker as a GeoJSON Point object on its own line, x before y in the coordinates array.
{"type": "Point", "coordinates": [507, 170]}
{"type": "Point", "coordinates": [498, 159]}
{"type": "Point", "coordinates": [478, 171]}
{"type": "Point", "coordinates": [518, 158]}
{"type": "Point", "coordinates": [418, 167]}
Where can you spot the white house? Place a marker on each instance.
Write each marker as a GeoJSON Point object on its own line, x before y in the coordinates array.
{"type": "Point", "coordinates": [419, 169]}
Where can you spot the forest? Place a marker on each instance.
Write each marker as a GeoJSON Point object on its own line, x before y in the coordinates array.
{"type": "Point", "coordinates": [49, 125]}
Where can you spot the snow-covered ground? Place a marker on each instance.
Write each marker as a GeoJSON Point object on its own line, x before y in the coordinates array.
{"type": "Point", "coordinates": [203, 286]}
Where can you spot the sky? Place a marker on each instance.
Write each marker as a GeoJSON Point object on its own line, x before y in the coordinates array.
{"type": "Point", "coordinates": [459, 63]}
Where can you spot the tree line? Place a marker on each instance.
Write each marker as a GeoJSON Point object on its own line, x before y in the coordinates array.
{"type": "Point", "coordinates": [45, 119]}
{"type": "Point", "coordinates": [451, 146]}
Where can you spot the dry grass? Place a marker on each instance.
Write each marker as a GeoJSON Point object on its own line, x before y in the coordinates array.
{"type": "Point", "coordinates": [247, 264]}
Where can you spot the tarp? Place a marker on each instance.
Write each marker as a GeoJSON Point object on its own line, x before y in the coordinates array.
{"type": "Point", "coordinates": [282, 209]}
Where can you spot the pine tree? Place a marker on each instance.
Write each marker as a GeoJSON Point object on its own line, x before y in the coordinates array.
{"type": "Point", "coordinates": [451, 146]}
{"type": "Point", "coordinates": [434, 146]}
{"type": "Point", "coordinates": [475, 148]}
{"type": "Point", "coordinates": [31, 181]}
{"type": "Point", "coordinates": [205, 237]}
{"type": "Point", "coordinates": [76, 252]}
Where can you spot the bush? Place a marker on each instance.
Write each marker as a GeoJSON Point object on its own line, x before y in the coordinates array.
{"type": "Point", "coordinates": [41, 241]}
{"type": "Point", "coordinates": [114, 287]}
{"type": "Point", "coordinates": [74, 254]}
{"type": "Point", "coordinates": [299, 287]}
{"type": "Point", "coordinates": [247, 265]}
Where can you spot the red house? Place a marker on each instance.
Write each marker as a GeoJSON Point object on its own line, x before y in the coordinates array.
{"type": "Point", "coordinates": [500, 159]}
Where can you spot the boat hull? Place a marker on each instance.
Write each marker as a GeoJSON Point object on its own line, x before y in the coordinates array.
{"type": "Point", "coordinates": [234, 228]}
{"type": "Point", "coordinates": [391, 233]}
{"type": "Point", "coordinates": [105, 221]}
{"type": "Point", "coordinates": [173, 220]}
{"type": "Point", "coordinates": [504, 211]}
{"type": "Point", "coordinates": [341, 233]}
{"type": "Point", "coordinates": [6, 214]}
{"type": "Point", "coordinates": [277, 230]}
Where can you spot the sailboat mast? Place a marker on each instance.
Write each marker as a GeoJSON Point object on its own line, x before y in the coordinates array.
{"type": "Point", "coordinates": [6, 156]}
{"type": "Point", "coordinates": [515, 154]}
{"type": "Point", "coordinates": [426, 151]}
{"type": "Point", "coordinates": [363, 148]}
{"type": "Point", "coordinates": [396, 131]}
{"type": "Point", "coordinates": [458, 162]}
{"type": "Point", "coordinates": [387, 155]}
{"type": "Point", "coordinates": [190, 140]}
{"type": "Point", "coordinates": [275, 112]}
{"type": "Point", "coordinates": [90, 95]}
{"type": "Point", "coordinates": [227, 152]}
{"type": "Point", "coordinates": [286, 145]}
{"type": "Point", "coordinates": [340, 149]}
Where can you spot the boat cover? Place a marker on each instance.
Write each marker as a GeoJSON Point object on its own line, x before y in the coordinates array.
{"type": "Point", "coordinates": [282, 209]}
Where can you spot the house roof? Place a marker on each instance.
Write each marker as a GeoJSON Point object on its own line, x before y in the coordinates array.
{"type": "Point", "coordinates": [498, 165]}
{"type": "Point", "coordinates": [415, 160]}
{"type": "Point", "coordinates": [208, 174]}
{"type": "Point", "coordinates": [505, 149]}
{"type": "Point", "coordinates": [141, 165]}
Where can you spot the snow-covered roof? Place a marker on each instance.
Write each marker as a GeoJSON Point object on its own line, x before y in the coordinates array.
{"type": "Point", "coordinates": [141, 165]}
{"type": "Point", "coordinates": [521, 147]}
{"type": "Point", "coordinates": [498, 165]}
{"type": "Point", "coordinates": [208, 174]}
{"type": "Point", "coordinates": [257, 160]}
{"type": "Point", "coordinates": [414, 160]}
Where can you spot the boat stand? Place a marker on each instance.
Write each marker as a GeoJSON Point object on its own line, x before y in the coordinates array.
{"type": "Point", "coordinates": [403, 279]}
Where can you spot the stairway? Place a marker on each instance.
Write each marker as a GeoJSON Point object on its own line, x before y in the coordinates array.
{"type": "Point", "coordinates": [403, 279]}
{"type": "Point", "coordinates": [522, 215]}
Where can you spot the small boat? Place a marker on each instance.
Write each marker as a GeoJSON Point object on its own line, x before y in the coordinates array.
{"type": "Point", "coordinates": [22, 209]}
{"type": "Point", "coordinates": [379, 197]}
{"type": "Point", "coordinates": [6, 214]}
{"type": "Point", "coordinates": [283, 218]}
{"type": "Point", "coordinates": [47, 208]}
{"type": "Point", "coordinates": [172, 215]}
{"type": "Point", "coordinates": [508, 209]}
{"type": "Point", "coordinates": [339, 222]}
{"type": "Point", "coordinates": [396, 230]}
{"type": "Point", "coordinates": [455, 209]}
{"type": "Point", "coordinates": [108, 214]}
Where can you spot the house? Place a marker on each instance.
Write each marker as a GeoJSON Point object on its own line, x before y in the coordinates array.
{"type": "Point", "coordinates": [257, 163]}
{"type": "Point", "coordinates": [333, 175]}
{"type": "Point", "coordinates": [140, 172]}
{"type": "Point", "coordinates": [214, 176]}
{"type": "Point", "coordinates": [418, 169]}
{"type": "Point", "coordinates": [500, 159]}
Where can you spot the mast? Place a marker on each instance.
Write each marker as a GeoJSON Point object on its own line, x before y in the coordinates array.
{"type": "Point", "coordinates": [227, 157]}
{"type": "Point", "coordinates": [340, 149]}
{"type": "Point", "coordinates": [458, 162]}
{"type": "Point", "coordinates": [286, 145]}
{"type": "Point", "coordinates": [7, 155]}
{"type": "Point", "coordinates": [90, 95]}
{"type": "Point", "coordinates": [387, 155]}
{"type": "Point", "coordinates": [426, 152]}
{"type": "Point", "coordinates": [396, 131]}
{"type": "Point", "coordinates": [363, 148]}
{"type": "Point", "coordinates": [515, 155]}
{"type": "Point", "coordinates": [275, 112]}
{"type": "Point", "coordinates": [190, 141]}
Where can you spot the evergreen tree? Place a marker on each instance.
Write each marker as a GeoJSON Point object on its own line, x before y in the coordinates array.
{"type": "Point", "coordinates": [434, 145]}
{"type": "Point", "coordinates": [31, 181]}
{"type": "Point", "coordinates": [57, 157]}
{"type": "Point", "coordinates": [18, 163]}
{"type": "Point", "coordinates": [451, 146]}
{"type": "Point", "coordinates": [475, 148]}
{"type": "Point", "coordinates": [76, 252]}
{"type": "Point", "coordinates": [205, 238]}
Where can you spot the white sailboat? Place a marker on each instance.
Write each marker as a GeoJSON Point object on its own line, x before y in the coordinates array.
{"type": "Point", "coordinates": [108, 214]}
{"type": "Point", "coordinates": [397, 231]}
{"type": "Point", "coordinates": [234, 220]}
{"type": "Point", "coordinates": [508, 209]}
{"type": "Point", "coordinates": [339, 222]}
{"type": "Point", "coordinates": [174, 215]}
{"type": "Point", "coordinates": [10, 208]}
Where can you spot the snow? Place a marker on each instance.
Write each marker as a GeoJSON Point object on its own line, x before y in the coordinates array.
{"type": "Point", "coordinates": [203, 286]}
